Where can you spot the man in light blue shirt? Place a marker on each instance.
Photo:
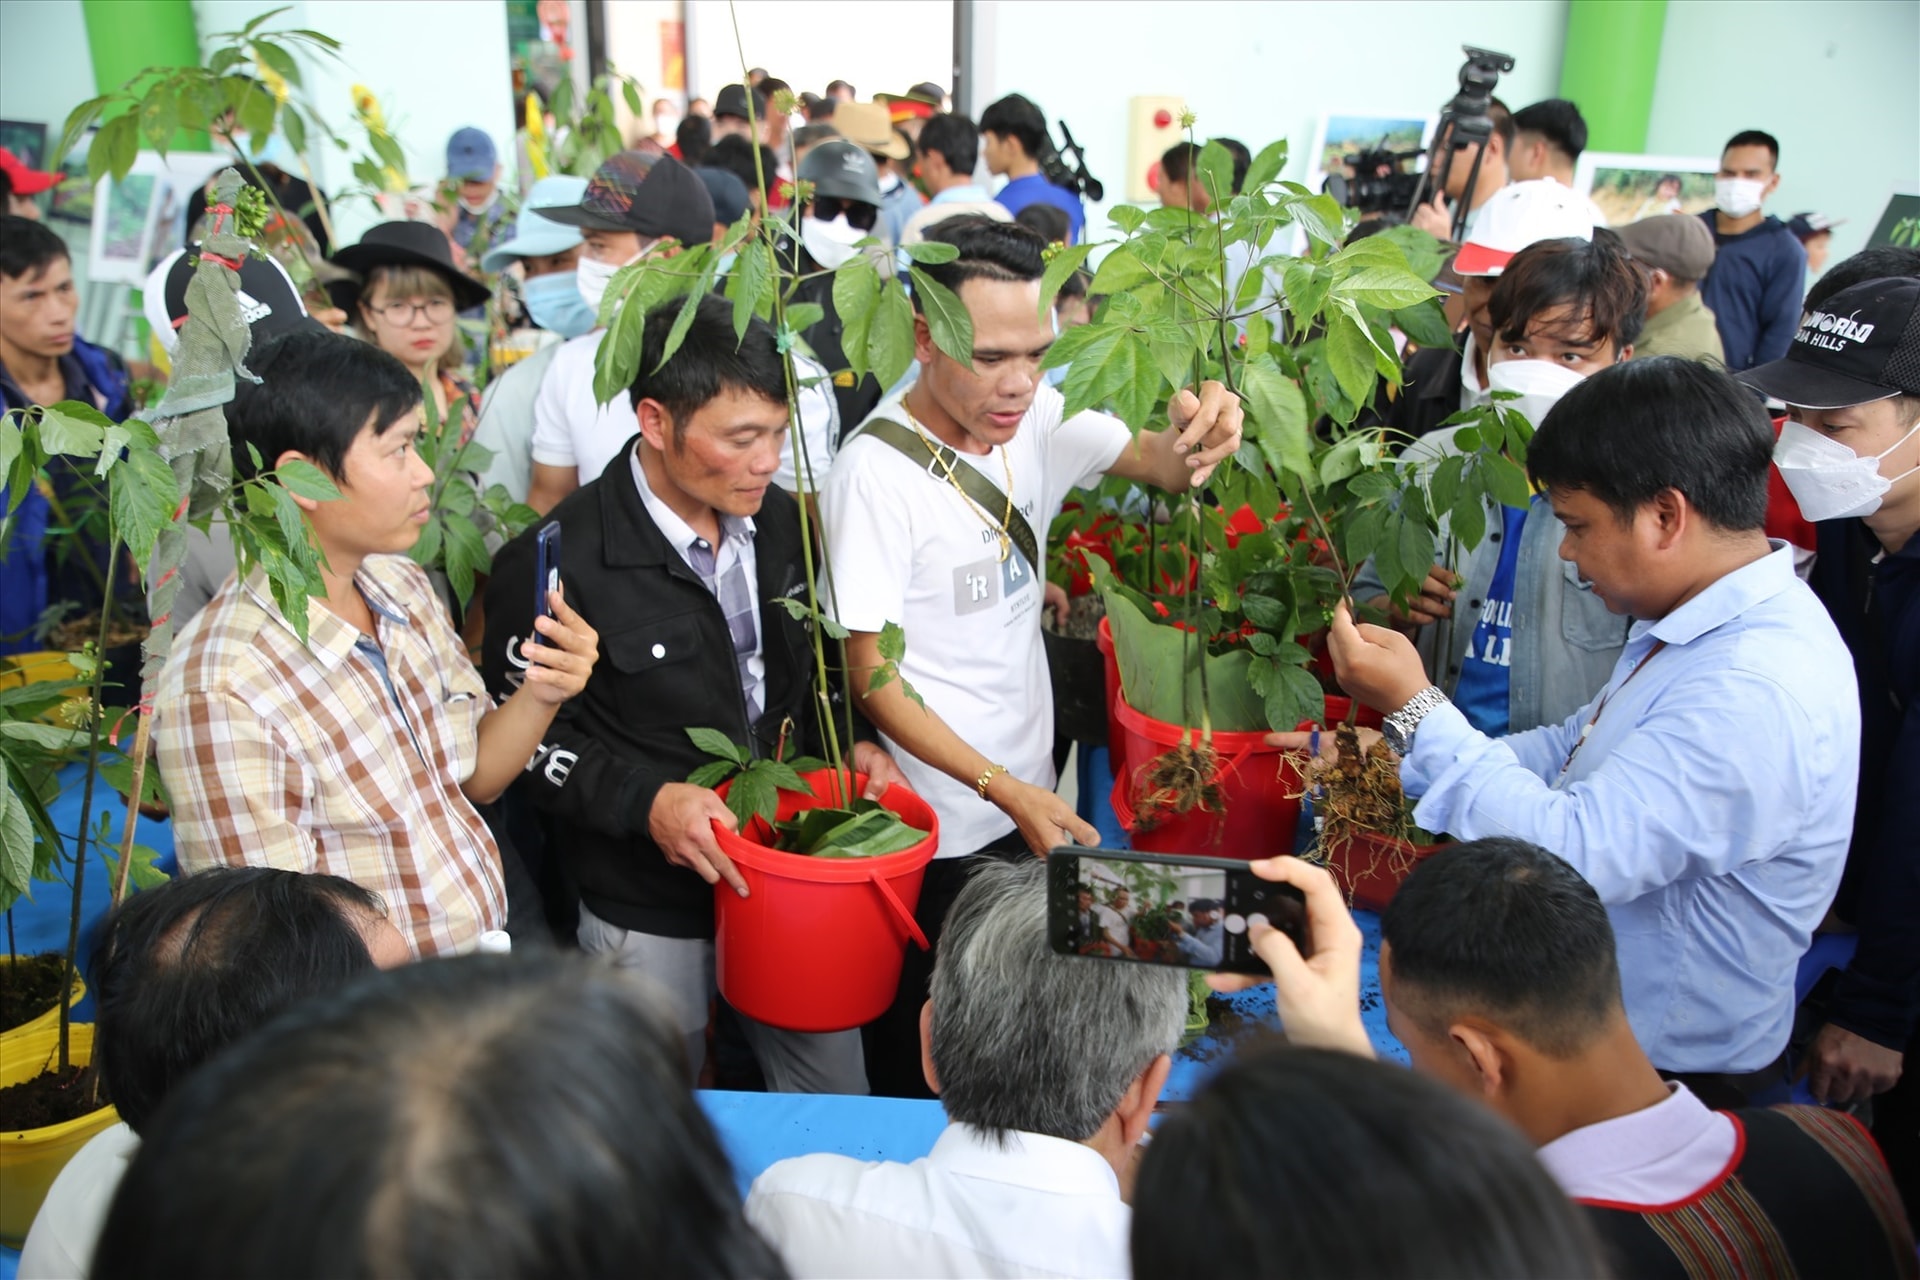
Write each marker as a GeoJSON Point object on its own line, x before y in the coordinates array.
{"type": "Point", "coordinates": [1707, 791]}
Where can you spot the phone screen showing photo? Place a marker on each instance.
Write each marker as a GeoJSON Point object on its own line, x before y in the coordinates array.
{"type": "Point", "coordinates": [1193, 913]}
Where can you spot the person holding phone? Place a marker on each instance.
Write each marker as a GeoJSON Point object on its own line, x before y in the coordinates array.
{"type": "Point", "coordinates": [361, 746]}
{"type": "Point", "coordinates": [1501, 978]}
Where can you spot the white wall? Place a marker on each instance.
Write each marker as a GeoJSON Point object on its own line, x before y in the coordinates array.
{"type": "Point", "coordinates": [878, 46]}
{"type": "Point", "coordinates": [435, 65]}
{"type": "Point", "coordinates": [1834, 81]}
{"type": "Point", "coordinates": [1255, 71]}
{"type": "Point", "coordinates": [45, 69]}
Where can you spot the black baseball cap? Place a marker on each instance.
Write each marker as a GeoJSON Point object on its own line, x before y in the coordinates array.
{"type": "Point", "coordinates": [268, 302]}
{"type": "Point", "coordinates": [1861, 345]}
{"type": "Point", "coordinates": [732, 101]}
{"type": "Point", "coordinates": [646, 195]}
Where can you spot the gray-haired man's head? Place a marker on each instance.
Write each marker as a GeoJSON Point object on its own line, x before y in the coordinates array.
{"type": "Point", "coordinates": [1022, 1038]}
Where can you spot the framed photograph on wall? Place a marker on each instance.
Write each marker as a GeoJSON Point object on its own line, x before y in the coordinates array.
{"type": "Point", "coordinates": [27, 139]}
{"type": "Point", "coordinates": [142, 217]}
{"type": "Point", "coordinates": [1627, 188]}
{"type": "Point", "coordinates": [71, 199]}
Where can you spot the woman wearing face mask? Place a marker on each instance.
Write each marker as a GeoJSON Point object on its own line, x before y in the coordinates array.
{"type": "Point", "coordinates": [405, 305]}
{"type": "Point", "coordinates": [1850, 453]}
{"type": "Point", "coordinates": [548, 255]}
{"type": "Point", "coordinates": [1507, 629]}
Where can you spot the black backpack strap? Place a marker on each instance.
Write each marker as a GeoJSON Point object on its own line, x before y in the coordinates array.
{"type": "Point", "coordinates": [938, 461]}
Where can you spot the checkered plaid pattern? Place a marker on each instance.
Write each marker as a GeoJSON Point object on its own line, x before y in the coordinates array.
{"type": "Point", "coordinates": [284, 756]}
{"type": "Point", "coordinates": [731, 587]}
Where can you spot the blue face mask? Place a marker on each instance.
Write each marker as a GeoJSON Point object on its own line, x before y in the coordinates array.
{"type": "Point", "coordinates": [555, 304]}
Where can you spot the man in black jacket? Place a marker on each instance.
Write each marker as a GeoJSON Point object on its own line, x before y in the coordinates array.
{"type": "Point", "coordinates": [679, 553]}
{"type": "Point", "coordinates": [1851, 456]}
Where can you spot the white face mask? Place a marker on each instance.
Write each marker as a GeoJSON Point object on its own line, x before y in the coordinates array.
{"type": "Point", "coordinates": [593, 277]}
{"type": "Point", "coordinates": [665, 126]}
{"type": "Point", "coordinates": [479, 207]}
{"type": "Point", "coordinates": [1738, 197]}
{"type": "Point", "coordinates": [1540, 383]}
{"type": "Point", "coordinates": [1829, 480]}
{"type": "Point", "coordinates": [830, 243]}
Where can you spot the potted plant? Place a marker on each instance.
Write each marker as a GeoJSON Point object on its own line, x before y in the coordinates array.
{"type": "Point", "coordinates": [1305, 339]}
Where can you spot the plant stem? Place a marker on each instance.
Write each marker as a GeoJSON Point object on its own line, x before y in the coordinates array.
{"type": "Point", "coordinates": [86, 820]}
{"type": "Point", "coordinates": [838, 759]}
{"type": "Point", "coordinates": [141, 737]}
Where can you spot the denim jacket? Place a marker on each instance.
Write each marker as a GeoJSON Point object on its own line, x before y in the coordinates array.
{"type": "Point", "coordinates": [1565, 641]}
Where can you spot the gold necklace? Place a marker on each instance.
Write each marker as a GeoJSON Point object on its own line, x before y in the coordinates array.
{"type": "Point", "coordinates": [1005, 522]}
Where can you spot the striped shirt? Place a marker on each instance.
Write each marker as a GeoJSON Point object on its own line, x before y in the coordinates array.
{"type": "Point", "coordinates": [344, 756]}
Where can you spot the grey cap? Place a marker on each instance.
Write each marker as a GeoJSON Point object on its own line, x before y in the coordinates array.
{"type": "Point", "coordinates": [843, 170]}
{"type": "Point", "coordinates": [1677, 243]}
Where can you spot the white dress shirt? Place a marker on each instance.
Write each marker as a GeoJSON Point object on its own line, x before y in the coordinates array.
{"type": "Point", "coordinates": [1658, 1156]}
{"type": "Point", "coordinates": [1033, 1206]}
{"type": "Point", "coordinates": [59, 1245]}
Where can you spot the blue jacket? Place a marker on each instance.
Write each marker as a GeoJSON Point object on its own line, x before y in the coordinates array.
{"type": "Point", "coordinates": [1877, 608]}
{"type": "Point", "coordinates": [1754, 290]}
{"type": "Point", "coordinates": [93, 377]}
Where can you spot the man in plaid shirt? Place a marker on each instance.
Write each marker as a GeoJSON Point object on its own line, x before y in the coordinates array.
{"type": "Point", "coordinates": [363, 752]}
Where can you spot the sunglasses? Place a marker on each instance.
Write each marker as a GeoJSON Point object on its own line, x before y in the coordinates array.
{"type": "Point", "coordinates": [861, 216]}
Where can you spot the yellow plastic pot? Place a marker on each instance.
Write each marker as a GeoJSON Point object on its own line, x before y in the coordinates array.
{"type": "Point", "coordinates": [30, 1160]}
{"type": "Point", "coordinates": [49, 1020]}
{"type": "Point", "coordinates": [45, 666]}
{"type": "Point", "coordinates": [32, 668]}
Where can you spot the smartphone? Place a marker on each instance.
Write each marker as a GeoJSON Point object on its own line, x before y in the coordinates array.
{"type": "Point", "coordinates": [546, 572]}
{"type": "Point", "coordinates": [1166, 909]}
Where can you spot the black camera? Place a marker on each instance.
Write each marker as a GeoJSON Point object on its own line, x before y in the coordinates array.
{"type": "Point", "coordinates": [1380, 183]}
{"type": "Point", "coordinates": [1066, 168]}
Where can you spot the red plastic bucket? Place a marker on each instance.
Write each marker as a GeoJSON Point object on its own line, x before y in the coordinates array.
{"type": "Point", "coordinates": [818, 944]}
{"type": "Point", "coordinates": [1259, 787]}
{"type": "Point", "coordinates": [1115, 743]}
{"type": "Point", "coordinates": [1370, 867]}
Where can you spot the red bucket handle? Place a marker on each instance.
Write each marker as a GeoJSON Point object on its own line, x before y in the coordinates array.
{"type": "Point", "coordinates": [900, 909]}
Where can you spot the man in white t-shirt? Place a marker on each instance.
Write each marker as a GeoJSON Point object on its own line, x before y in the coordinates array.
{"type": "Point", "coordinates": [633, 206]}
{"type": "Point", "coordinates": [909, 546]}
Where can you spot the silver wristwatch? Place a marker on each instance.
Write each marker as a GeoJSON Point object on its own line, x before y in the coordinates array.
{"type": "Point", "coordinates": [1398, 728]}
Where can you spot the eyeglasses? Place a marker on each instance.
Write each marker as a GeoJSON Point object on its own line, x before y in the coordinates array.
{"type": "Point", "coordinates": [861, 216]}
{"type": "Point", "coordinates": [402, 314]}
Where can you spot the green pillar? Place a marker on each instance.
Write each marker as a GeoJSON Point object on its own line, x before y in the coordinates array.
{"type": "Point", "coordinates": [125, 39]}
{"type": "Point", "coordinates": [1612, 57]}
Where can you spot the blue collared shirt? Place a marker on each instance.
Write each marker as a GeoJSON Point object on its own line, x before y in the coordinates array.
{"type": "Point", "coordinates": [1710, 807]}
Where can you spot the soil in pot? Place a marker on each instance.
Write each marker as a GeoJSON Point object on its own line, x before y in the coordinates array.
{"type": "Point", "coordinates": [29, 986]}
{"type": "Point", "coordinates": [50, 1098]}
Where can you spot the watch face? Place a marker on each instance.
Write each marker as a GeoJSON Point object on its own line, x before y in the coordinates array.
{"type": "Point", "coordinates": [1395, 736]}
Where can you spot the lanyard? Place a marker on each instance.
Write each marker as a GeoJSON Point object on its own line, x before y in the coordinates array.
{"type": "Point", "coordinates": [1581, 741]}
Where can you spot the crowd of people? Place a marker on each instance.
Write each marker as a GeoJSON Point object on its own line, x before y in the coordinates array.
{"type": "Point", "coordinates": [1666, 709]}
